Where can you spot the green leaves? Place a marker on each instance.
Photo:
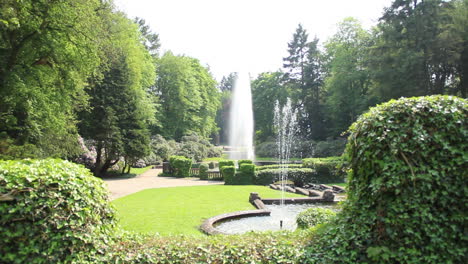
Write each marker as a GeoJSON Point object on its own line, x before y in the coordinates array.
{"type": "Point", "coordinates": [59, 210]}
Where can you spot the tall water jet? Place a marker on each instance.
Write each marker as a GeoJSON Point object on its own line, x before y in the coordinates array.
{"type": "Point", "coordinates": [285, 121]}
{"type": "Point", "coordinates": [241, 126]}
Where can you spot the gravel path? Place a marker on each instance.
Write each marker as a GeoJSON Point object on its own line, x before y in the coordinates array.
{"type": "Point", "coordinates": [148, 180]}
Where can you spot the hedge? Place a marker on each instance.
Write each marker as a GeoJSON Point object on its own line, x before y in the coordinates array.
{"type": "Point", "coordinates": [277, 166]}
{"type": "Point", "coordinates": [180, 166]}
{"type": "Point", "coordinates": [203, 171]}
{"type": "Point", "coordinates": [407, 195]}
{"type": "Point", "coordinates": [52, 211]}
{"type": "Point", "coordinates": [228, 173]}
{"type": "Point", "coordinates": [240, 162]}
{"type": "Point", "coordinates": [328, 170]}
{"type": "Point", "coordinates": [298, 176]}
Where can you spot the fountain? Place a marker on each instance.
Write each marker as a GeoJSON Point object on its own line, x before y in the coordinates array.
{"type": "Point", "coordinates": [241, 126]}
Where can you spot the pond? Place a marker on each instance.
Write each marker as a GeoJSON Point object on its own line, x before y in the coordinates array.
{"type": "Point", "coordinates": [279, 213]}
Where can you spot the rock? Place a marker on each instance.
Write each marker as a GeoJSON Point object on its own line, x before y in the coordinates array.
{"type": "Point", "coordinates": [289, 189]}
{"type": "Point", "coordinates": [328, 196]}
{"type": "Point", "coordinates": [274, 187]}
{"type": "Point", "coordinates": [302, 191]}
{"type": "Point", "coordinates": [313, 193]}
{"type": "Point", "coordinates": [254, 196]}
{"type": "Point", "coordinates": [338, 189]}
{"type": "Point", "coordinates": [325, 187]}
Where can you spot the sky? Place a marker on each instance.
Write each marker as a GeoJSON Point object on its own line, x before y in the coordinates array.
{"type": "Point", "coordinates": [245, 35]}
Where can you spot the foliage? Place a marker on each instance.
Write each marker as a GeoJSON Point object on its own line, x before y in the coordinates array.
{"type": "Point", "coordinates": [203, 171]}
{"type": "Point", "coordinates": [181, 210]}
{"type": "Point", "coordinates": [197, 148]}
{"type": "Point", "coordinates": [279, 247]}
{"type": "Point", "coordinates": [188, 97]}
{"type": "Point", "coordinates": [229, 174]}
{"type": "Point", "coordinates": [59, 212]}
{"type": "Point", "coordinates": [240, 162]}
{"type": "Point", "coordinates": [223, 163]}
{"type": "Point", "coordinates": [314, 216]}
{"type": "Point", "coordinates": [46, 56]}
{"type": "Point", "coordinates": [120, 107]}
{"type": "Point", "coordinates": [304, 148]}
{"type": "Point", "coordinates": [277, 166]}
{"type": "Point", "coordinates": [299, 176]}
{"type": "Point", "coordinates": [180, 166]}
{"type": "Point", "coordinates": [407, 159]}
{"type": "Point", "coordinates": [327, 170]}
{"type": "Point", "coordinates": [244, 176]}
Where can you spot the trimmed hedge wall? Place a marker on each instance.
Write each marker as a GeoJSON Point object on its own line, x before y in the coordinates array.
{"type": "Point", "coordinates": [180, 166]}
{"type": "Point", "coordinates": [407, 194]}
{"type": "Point", "coordinates": [277, 166]}
{"type": "Point", "coordinates": [52, 211]}
{"type": "Point", "coordinates": [328, 170]}
{"type": "Point", "coordinates": [240, 162]}
{"type": "Point", "coordinates": [298, 176]}
{"type": "Point", "coordinates": [228, 173]}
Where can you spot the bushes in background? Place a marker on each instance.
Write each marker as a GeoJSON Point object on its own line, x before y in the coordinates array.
{"type": "Point", "coordinates": [223, 163]}
{"type": "Point", "coordinates": [328, 170]}
{"type": "Point", "coordinates": [180, 166]}
{"type": "Point", "coordinates": [314, 216]}
{"type": "Point", "coordinates": [52, 211]}
{"type": "Point", "coordinates": [407, 200]}
{"type": "Point", "coordinates": [277, 166]}
{"type": "Point", "coordinates": [304, 148]}
{"type": "Point", "coordinates": [299, 176]}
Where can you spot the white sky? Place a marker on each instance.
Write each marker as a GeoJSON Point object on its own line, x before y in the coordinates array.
{"type": "Point", "coordinates": [233, 35]}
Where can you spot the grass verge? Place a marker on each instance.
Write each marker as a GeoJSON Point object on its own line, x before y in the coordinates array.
{"type": "Point", "coordinates": [181, 210]}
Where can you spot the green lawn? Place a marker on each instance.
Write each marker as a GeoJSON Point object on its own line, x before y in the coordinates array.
{"type": "Point", "coordinates": [181, 210]}
{"type": "Point", "coordinates": [133, 172]}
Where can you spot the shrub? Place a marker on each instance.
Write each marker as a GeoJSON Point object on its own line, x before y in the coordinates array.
{"type": "Point", "coordinates": [304, 148]}
{"type": "Point", "coordinates": [58, 212]}
{"type": "Point", "coordinates": [228, 173]}
{"type": "Point", "coordinates": [314, 216]}
{"type": "Point", "coordinates": [328, 170]}
{"type": "Point", "coordinates": [224, 163]}
{"type": "Point", "coordinates": [180, 166]}
{"type": "Point", "coordinates": [277, 166]}
{"type": "Point", "coordinates": [211, 165]}
{"type": "Point", "coordinates": [246, 174]}
{"type": "Point", "coordinates": [203, 171]}
{"type": "Point", "coordinates": [240, 162]}
{"type": "Point", "coordinates": [298, 176]}
{"type": "Point", "coordinates": [407, 159]}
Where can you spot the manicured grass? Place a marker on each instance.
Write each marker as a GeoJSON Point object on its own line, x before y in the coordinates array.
{"type": "Point", "coordinates": [342, 184]}
{"type": "Point", "coordinates": [133, 172]}
{"type": "Point", "coordinates": [181, 210]}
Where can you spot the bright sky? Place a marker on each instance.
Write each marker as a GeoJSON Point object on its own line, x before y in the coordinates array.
{"type": "Point", "coordinates": [244, 35]}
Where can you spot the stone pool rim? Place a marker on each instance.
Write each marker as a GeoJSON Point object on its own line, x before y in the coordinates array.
{"type": "Point", "coordinates": [208, 225]}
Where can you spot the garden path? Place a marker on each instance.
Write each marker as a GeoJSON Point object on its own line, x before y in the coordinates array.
{"type": "Point", "coordinates": [120, 187]}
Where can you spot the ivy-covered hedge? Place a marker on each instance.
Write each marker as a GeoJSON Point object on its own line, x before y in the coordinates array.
{"type": "Point", "coordinates": [52, 211]}
{"type": "Point", "coordinates": [180, 166]}
{"type": "Point", "coordinates": [407, 194]}
{"type": "Point", "coordinates": [277, 166]}
{"type": "Point", "coordinates": [298, 176]}
{"type": "Point", "coordinates": [228, 173]}
{"type": "Point", "coordinates": [328, 170]}
{"type": "Point", "coordinates": [314, 216]}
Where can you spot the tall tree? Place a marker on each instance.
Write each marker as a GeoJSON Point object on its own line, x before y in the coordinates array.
{"type": "Point", "coordinates": [188, 96]}
{"type": "Point", "coordinates": [348, 80]}
{"type": "Point", "coordinates": [120, 107]}
{"type": "Point", "coordinates": [222, 116]}
{"type": "Point", "coordinates": [149, 38]}
{"type": "Point", "coordinates": [267, 88]}
{"type": "Point", "coordinates": [304, 79]}
{"type": "Point", "coordinates": [47, 52]}
{"type": "Point", "coordinates": [410, 56]}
